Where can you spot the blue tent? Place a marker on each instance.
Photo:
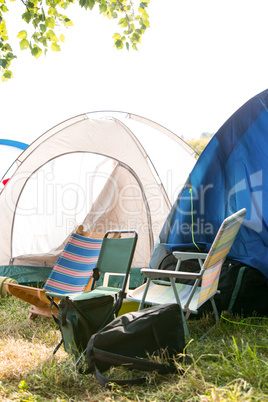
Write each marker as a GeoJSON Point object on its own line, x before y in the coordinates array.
{"type": "Point", "coordinates": [11, 143]}
{"type": "Point", "coordinates": [231, 173]}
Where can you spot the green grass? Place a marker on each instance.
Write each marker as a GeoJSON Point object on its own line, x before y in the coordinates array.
{"type": "Point", "coordinates": [230, 364]}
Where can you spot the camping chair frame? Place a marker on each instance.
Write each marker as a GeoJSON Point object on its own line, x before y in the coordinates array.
{"type": "Point", "coordinates": [115, 257]}
{"type": "Point", "coordinates": [191, 297]}
{"type": "Point", "coordinates": [111, 262]}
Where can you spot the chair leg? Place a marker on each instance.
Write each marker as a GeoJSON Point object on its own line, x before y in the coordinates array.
{"type": "Point", "coordinates": [185, 326]}
{"type": "Point", "coordinates": [144, 294]}
{"type": "Point", "coordinates": [215, 309]}
{"type": "Point", "coordinates": [32, 316]}
{"type": "Point", "coordinates": [58, 346]}
{"type": "Point", "coordinates": [186, 330]}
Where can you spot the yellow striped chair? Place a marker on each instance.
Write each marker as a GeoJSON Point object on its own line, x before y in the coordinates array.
{"type": "Point", "coordinates": [205, 286]}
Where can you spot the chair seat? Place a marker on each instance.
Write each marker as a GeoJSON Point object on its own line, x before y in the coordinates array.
{"type": "Point", "coordinates": [86, 294]}
{"type": "Point", "coordinates": [160, 294]}
{"type": "Point", "coordinates": [106, 289]}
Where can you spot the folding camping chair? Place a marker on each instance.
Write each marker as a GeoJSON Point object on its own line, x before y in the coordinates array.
{"type": "Point", "coordinates": [115, 259]}
{"type": "Point", "coordinates": [191, 297]}
{"type": "Point", "coordinates": [72, 273]}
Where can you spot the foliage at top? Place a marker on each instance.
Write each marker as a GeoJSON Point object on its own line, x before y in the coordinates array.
{"type": "Point", "coordinates": [45, 17]}
{"type": "Point", "coordinates": [199, 144]}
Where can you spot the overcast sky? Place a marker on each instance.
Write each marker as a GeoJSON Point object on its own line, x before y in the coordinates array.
{"type": "Point", "coordinates": [197, 64]}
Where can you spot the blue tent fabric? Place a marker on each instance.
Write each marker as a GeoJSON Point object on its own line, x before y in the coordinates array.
{"type": "Point", "coordinates": [12, 143]}
{"type": "Point", "coordinates": [230, 174]}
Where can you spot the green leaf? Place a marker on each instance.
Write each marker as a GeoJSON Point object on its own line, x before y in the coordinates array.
{"type": "Point", "coordinates": [36, 51]}
{"type": "Point", "coordinates": [103, 7]}
{"type": "Point", "coordinates": [10, 56]}
{"type": "Point", "coordinates": [4, 8]}
{"type": "Point", "coordinates": [6, 47]}
{"type": "Point", "coordinates": [22, 35]}
{"type": "Point", "coordinates": [116, 36]}
{"type": "Point", "coordinates": [55, 47]}
{"type": "Point", "coordinates": [43, 41]}
{"type": "Point", "coordinates": [118, 44]}
{"type": "Point", "coordinates": [50, 22]}
{"type": "Point", "coordinates": [91, 4]}
{"type": "Point", "coordinates": [146, 23]}
{"type": "Point", "coordinates": [145, 15]}
{"type": "Point", "coordinates": [144, 4]}
{"type": "Point", "coordinates": [50, 35]}
{"type": "Point", "coordinates": [123, 22]}
{"type": "Point", "coordinates": [62, 38]}
{"type": "Point", "coordinates": [87, 3]}
{"type": "Point", "coordinates": [52, 11]}
{"type": "Point", "coordinates": [68, 22]}
{"type": "Point", "coordinates": [7, 75]}
{"type": "Point", "coordinates": [43, 28]}
{"type": "Point", "coordinates": [63, 5]}
{"type": "Point", "coordinates": [24, 44]}
{"type": "Point", "coordinates": [27, 17]}
{"type": "Point", "coordinates": [136, 38]}
{"type": "Point", "coordinates": [3, 63]}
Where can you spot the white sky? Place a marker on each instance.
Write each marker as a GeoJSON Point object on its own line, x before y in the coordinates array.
{"type": "Point", "coordinates": [197, 64]}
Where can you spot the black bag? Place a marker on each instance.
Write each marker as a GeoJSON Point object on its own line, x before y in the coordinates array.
{"type": "Point", "coordinates": [78, 320]}
{"type": "Point", "coordinates": [130, 338]}
{"type": "Point", "coordinates": [248, 291]}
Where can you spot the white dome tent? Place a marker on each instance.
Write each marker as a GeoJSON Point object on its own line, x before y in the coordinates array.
{"type": "Point", "coordinates": [107, 170]}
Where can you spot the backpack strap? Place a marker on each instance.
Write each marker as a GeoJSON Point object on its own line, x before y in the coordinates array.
{"type": "Point", "coordinates": [236, 288]}
{"type": "Point", "coordinates": [130, 362]}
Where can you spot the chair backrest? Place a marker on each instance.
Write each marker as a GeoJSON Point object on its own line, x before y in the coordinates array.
{"type": "Point", "coordinates": [75, 265]}
{"type": "Point", "coordinates": [116, 254]}
{"type": "Point", "coordinates": [219, 249]}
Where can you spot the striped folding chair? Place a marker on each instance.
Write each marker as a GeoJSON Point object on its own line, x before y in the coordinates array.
{"type": "Point", "coordinates": [71, 274]}
{"type": "Point", "coordinates": [191, 297]}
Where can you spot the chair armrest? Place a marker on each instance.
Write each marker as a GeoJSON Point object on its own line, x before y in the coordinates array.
{"type": "Point", "coordinates": [160, 273]}
{"type": "Point", "coordinates": [180, 255]}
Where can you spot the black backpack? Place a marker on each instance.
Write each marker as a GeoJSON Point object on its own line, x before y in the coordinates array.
{"type": "Point", "coordinates": [130, 338]}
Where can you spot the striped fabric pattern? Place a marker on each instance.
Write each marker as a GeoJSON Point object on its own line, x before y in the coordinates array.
{"type": "Point", "coordinates": [74, 267]}
{"type": "Point", "coordinates": [159, 293]}
{"type": "Point", "coordinates": [218, 251]}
